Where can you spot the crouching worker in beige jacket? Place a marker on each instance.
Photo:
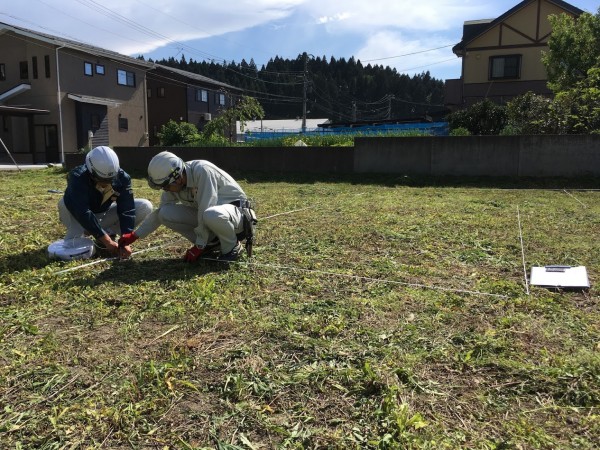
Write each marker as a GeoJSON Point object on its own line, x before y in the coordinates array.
{"type": "Point", "coordinates": [201, 202]}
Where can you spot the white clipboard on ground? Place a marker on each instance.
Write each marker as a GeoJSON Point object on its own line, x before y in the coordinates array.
{"type": "Point", "coordinates": [565, 277]}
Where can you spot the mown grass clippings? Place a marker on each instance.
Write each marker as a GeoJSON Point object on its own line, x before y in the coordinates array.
{"type": "Point", "coordinates": [378, 312]}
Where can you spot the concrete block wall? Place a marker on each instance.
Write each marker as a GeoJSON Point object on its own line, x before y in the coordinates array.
{"type": "Point", "coordinates": [261, 159]}
{"type": "Point", "coordinates": [514, 156]}
{"type": "Point", "coordinates": [491, 156]}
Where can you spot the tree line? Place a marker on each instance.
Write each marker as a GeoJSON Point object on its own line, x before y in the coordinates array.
{"type": "Point", "coordinates": [343, 90]}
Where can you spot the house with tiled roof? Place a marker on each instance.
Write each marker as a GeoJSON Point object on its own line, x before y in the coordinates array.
{"type": "Point", "coordinates": [501, 57]}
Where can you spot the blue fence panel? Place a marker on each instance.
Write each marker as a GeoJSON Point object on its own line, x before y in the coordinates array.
{"type": "Point", "coordinates": [430, 128]}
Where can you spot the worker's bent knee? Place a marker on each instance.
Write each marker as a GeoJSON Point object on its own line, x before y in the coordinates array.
{"type": "Point", "coordinates": [143, 207]}
{"type": "Point", "coordinates": [213, 216]}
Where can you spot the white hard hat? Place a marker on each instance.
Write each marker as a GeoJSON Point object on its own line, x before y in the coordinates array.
{"type": "Point", "coordinates": [103, 163]}
{"type": "Point", "coordinates": [164, 169]}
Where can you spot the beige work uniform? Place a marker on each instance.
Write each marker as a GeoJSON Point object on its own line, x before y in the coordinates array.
{"type": "Point", "coordinates": [202, 210]}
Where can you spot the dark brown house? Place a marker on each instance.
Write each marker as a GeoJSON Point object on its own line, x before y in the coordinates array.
{"type": "Point", "coordinates": [174, 94]}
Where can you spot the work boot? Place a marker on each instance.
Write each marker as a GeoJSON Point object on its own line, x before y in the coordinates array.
{"type": "Point", "coordinates": [233, 255]}
{"type": "Point", "coordinates": [211, 249]}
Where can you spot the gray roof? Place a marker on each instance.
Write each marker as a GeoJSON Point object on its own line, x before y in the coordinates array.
{"type": "Point", "coordinates": [75, 45]}
{"type": "Point", "coordinates": [98, 51]}
{"type": "Point", "coordinates": [193, 76]}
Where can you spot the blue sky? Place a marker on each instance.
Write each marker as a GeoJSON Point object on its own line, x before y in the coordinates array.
{"type": "Point", "coordinates": [412, 37]}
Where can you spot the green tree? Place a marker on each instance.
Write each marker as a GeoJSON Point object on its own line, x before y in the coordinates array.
{"type": "Point", "coordinates": [482, 118]}
{"type": "Point", "coordinates": [530, 114]}
{"type": "Point", "coordinates": [573, 49]}
{"type": "Point", "coordinates": [577, 110]}
{"type": "Point", "coordinates": [178, 133]}
{"type": "Point", "coordinates": [222, 128]}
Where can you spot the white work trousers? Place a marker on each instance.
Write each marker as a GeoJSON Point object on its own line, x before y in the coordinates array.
{"type": "Point", "coordinates": [109, 220]}
{"type": "Point", "coordinates": [223, 222]}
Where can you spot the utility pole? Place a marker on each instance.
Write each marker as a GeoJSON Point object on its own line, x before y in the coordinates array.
{"type": "Point", "coordinates": [304, 93]}
{"type": "Point", "coordinates": [389, 112]}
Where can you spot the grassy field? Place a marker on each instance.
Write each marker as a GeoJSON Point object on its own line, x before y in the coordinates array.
{"type": "Point", "coordinates": [386, 313]}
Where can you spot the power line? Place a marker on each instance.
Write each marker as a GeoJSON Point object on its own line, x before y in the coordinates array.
{"type": "Point", "coordinates": [408, 54]}
{"type": "Point", "coordinates": [427, 65]}
{"type": "Point", "coordinates": [208, 35]}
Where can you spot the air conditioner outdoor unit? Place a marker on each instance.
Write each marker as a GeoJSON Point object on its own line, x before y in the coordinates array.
{"type": "Point", "coordinates": [207, 116]}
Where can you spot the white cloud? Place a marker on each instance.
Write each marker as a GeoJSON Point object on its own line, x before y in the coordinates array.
{"type": "Point", "coordinates": [335, 18]}
{"type": "Point", "coordinates": [366, 29]}
{"type": "Point", "coordinates": [136, 26]}
{"type": "Point", "coordinates": [433, 15]}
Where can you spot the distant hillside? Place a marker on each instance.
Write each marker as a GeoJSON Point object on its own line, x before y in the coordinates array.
{"type": "Point", "coordinates": [342, 90]}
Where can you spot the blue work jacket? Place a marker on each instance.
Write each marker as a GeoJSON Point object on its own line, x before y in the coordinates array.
{"type": "Point", "coordinates": [84, 201]}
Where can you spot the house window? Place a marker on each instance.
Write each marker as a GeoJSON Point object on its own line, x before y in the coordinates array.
{"type": "Point", "coordinates": [24, 70]}
{"type": "Point", "coordinates": [222, 99]}
{"type": "Point", "coordinates": [47, 65]}
{"type": "Point", "coordinates": [201, 95]}
{"type": "Point", "coordinates": [149, 93]}
{"type": "Point", "coordinates": [505, 67]}
{"type": "Point", "coordinates": [34, 67]}
{"type": "Point", "coordinates": [87, 69]}
{"type": "Point", "coordinates": [2, 72]}
{"type": "Point", "coordinates": [125, 78]}
{"type": "Point", "coordinates": [160, 92]}
{"type": "Point", "coordinates": [123, 124]}
{"type": "Point", "coordinates": [99, 69]}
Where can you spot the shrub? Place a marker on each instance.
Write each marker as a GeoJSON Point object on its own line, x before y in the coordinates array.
{"type": "Point", "coordinates": [482, 118]}
{"type": "Point", "coordinates": [530, 114]}
{"type": "Point", "coordinates": [178, 133]}
{"type": "Point", "coordinates": [460, 131]}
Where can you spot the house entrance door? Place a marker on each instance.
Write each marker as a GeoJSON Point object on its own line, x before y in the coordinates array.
{"type": "Point", "coordinates": [51, 143]}
{"type": "Point", "coordinates": [91, 117]}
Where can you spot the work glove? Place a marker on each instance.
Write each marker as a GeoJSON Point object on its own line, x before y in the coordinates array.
{"type": "Point", "coordinates": [128, 239]}
{"type": "Point", "coordinates": [193, 254]}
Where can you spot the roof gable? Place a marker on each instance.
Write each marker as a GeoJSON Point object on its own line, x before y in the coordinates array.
{"type": "Point", "coordinates": [476, 28]}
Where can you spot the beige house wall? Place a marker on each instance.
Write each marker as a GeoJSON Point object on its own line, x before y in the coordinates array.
{"type": "Point", "coordinates": [517, 35]}
{"type": "Point", "coordinates": [525, 20]}
{"type": "Point", "coordinates": [477, 64]}
{"type": "Point", "coordinates": [131, 99]}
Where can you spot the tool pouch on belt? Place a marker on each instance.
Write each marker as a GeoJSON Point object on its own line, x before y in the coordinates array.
{"type": "Point", "coordinates": [250, 221]}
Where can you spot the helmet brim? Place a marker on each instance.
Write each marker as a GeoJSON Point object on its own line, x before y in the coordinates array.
{"type": "Point", "coordinates": [157, 186]}
{"type": "Point", "coordinates": [103, 180]}
{"type": "Point", "coordinates": [171, 178]}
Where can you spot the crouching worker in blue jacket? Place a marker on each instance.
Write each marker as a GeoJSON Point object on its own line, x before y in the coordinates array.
{"type": "Point", "coordinates": [98, 201]}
